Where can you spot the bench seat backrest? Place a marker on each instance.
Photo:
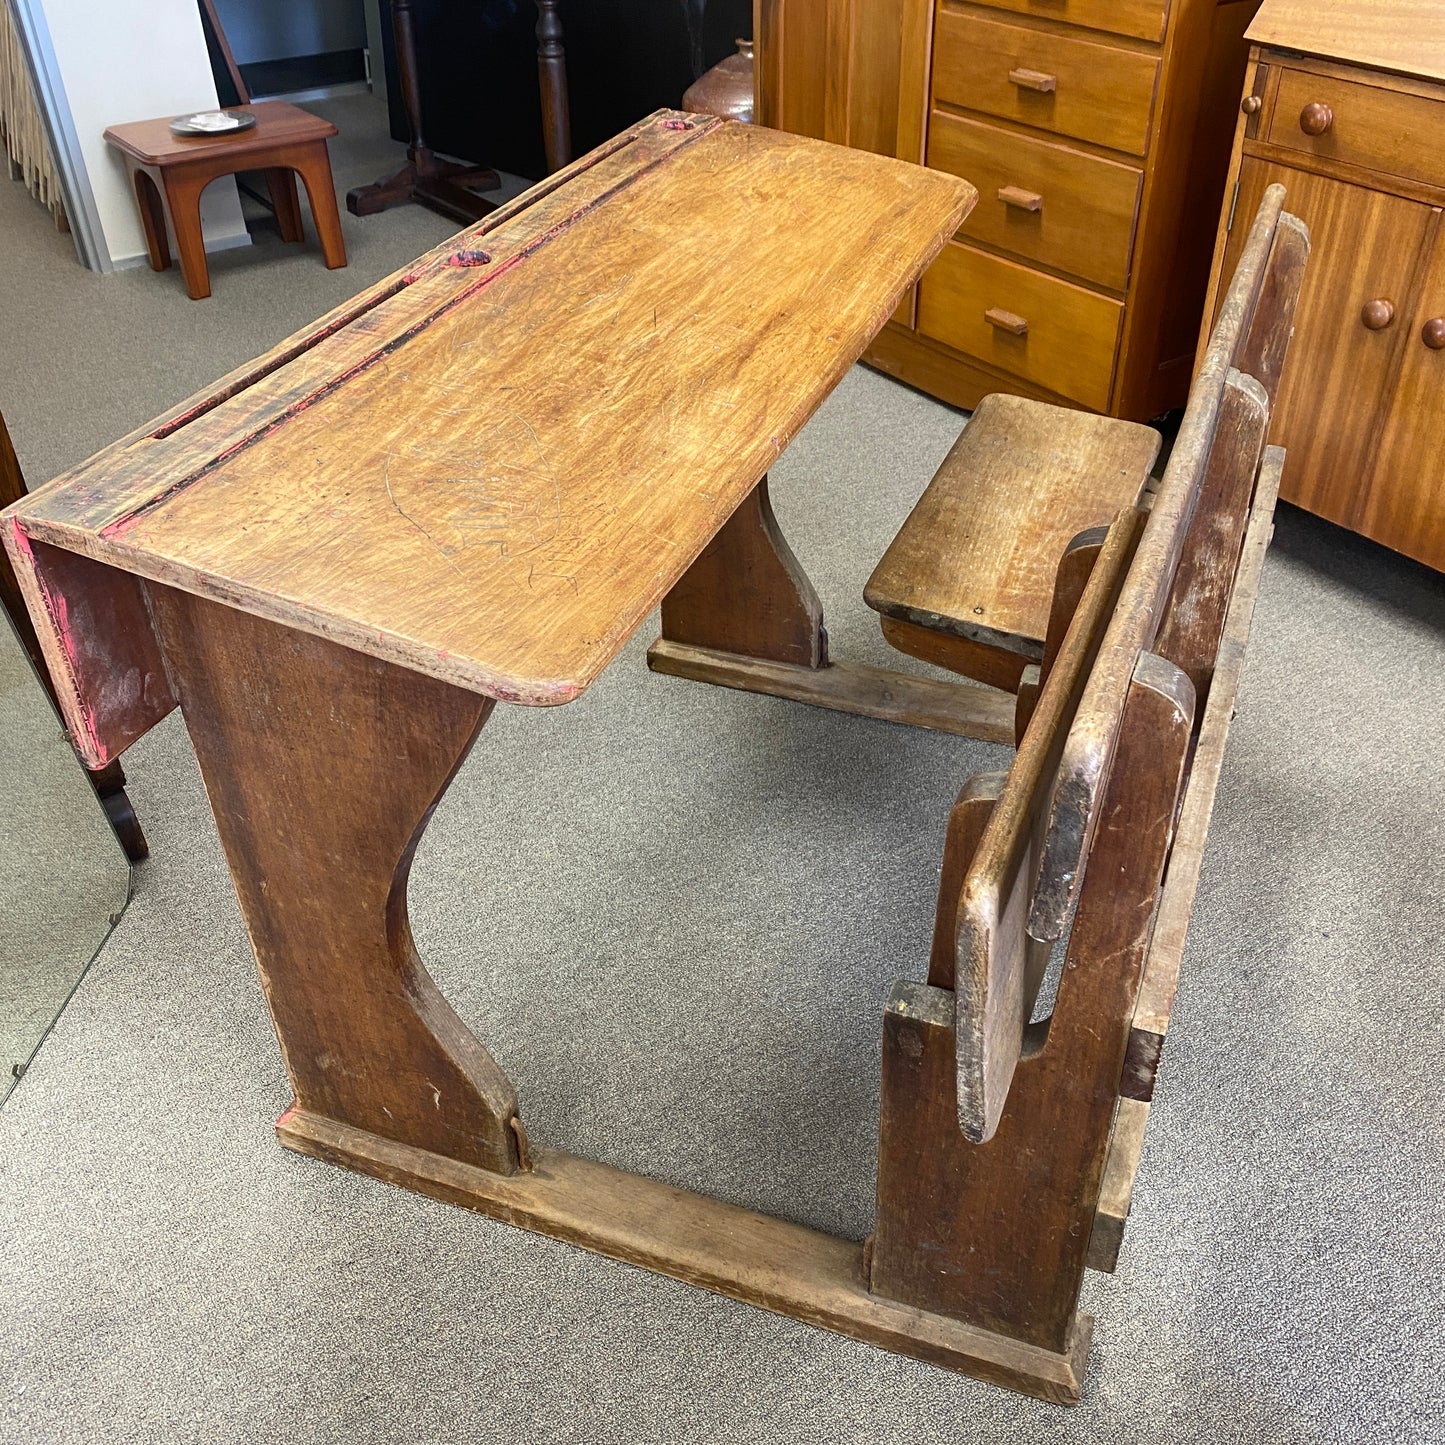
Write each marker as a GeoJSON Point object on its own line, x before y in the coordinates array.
{"type": "Point", "coordinates": [1139, 654]}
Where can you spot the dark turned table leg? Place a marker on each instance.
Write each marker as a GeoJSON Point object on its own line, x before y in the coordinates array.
{"type": "Point", "coordinates": [552, 73]}
{"type": "Point", "coordinates": [448, 187]}
{"type": "Point", "coordinates": [323, 766]}
{"type": "Point", "coordinates": [442, 186]}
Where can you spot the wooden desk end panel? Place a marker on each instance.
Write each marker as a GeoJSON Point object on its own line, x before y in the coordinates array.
{"type": "Point", "coordinates": [323, 767]}
{"type": "Point", "coordinates": [95, 632]}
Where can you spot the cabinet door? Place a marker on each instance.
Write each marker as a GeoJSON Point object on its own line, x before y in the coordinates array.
{"type": "Point", "coordinates": [1336, 387]}
{"type": "Point", "coordinates": [1405, 505]}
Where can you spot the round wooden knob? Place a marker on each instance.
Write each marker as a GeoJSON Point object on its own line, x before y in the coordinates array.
{"type": "Point", "coordinates": [1316, 118]}
{"type": "Point", "coordinates": [1433, 333]}
{"type": "Point", "coordinates": [1377, 315]}
{"type": "Point", "coordinates": [1252, 105]}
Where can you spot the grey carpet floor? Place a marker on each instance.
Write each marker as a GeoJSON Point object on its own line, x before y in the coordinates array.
{"type": "Point", "coordinates": [675, 914]}
{"type": "Point", "coordinates": [63, 876]}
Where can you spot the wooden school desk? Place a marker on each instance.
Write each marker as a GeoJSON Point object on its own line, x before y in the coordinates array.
{"type": "Point", "coordinates": [471, 485]}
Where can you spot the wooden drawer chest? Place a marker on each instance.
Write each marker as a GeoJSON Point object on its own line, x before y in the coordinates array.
{"type": "Point", "coordinates": [1345, 104]}
{"type": "Point", "coordinates": [1097, 134]}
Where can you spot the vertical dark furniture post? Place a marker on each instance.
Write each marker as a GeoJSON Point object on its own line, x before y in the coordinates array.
{"type": "Point", "coordinates": [552, 73]}
{"type": "Point", "coordinates": [450, 187]}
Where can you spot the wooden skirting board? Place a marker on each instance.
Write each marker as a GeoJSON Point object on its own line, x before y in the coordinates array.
{"type": "Point", "coordinates": [747, 1256]}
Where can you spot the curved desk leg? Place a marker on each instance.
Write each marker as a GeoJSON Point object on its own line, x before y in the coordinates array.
{"type": "Point", "coordinates": [744, 615]}
{"type": "Point", "coordinates": [323, 766]}
{"type": "Point", "coordinates": [747, 593]}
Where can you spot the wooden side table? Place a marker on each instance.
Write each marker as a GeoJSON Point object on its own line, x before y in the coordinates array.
{"type": "Point", "coordinates": [169, 172]}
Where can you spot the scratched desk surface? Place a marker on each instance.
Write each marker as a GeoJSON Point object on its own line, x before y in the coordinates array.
{"type": "Point", "coordinates": [493, 465]}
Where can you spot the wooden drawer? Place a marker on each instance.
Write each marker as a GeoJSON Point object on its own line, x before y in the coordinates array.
{"type": "Point", "coordinates": [1072, 334]}
{"type": "Point", "coordinates": [1382, 130]}
{"type": "Point", "coordinates": [1142, 18]}
{"type": "Point", "coordinates": [1099, 92]}
{"type": "Point", "coordinates": [1047, 203]}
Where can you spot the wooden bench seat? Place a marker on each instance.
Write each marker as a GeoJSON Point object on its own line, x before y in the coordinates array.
{"type": "Point", "coordinates": [968, 581]}
{"type": "Point", "coordinates": [1009, 1142]}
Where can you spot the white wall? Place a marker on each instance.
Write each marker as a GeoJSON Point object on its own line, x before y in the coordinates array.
{"type": "Point", "coordinates": [124, 60]}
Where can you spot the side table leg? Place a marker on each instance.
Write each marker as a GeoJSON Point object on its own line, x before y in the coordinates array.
{"type": "Point", "coordinates": [315, 172]}
{"type": "Point", "coordinates": [323, 766]}
{"type": "Point", "coordinates": [281, 182]}
{"type": "Point", "coordinates": [183, 200]}
{"type": "Point", "coordinates": [152, 218]}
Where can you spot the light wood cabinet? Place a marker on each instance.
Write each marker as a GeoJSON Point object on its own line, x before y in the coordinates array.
{"type": "Point", "coordinates": [1362, 153]}
{"type": "Point", "coordinates": [1097, 133]}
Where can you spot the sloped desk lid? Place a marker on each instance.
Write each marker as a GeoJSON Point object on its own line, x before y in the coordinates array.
{"type": "Point", "coordinates": [491, 466]}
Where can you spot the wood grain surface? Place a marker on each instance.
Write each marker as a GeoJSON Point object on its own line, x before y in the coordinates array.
{"type": "Point", "coordinates": [1407, 36]}
{"type": "Point", "coordinates": [495, 466]}
{"type": "Point", "coordinates": [978, 554]}
{"type": "Point", "coordinates": [771, 1263]}
{"type": "Point", "coordinates": [1088, 752]}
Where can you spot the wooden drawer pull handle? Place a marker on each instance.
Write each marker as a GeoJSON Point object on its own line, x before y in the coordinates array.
{"type": "Point", "coordinates": [1433, 334]}
{"type": "Point", "coordinates": [1377, 315]}
{"type": "Point", "coordinates": [1316, 118]}
{"type": "Point", "coordinates": [1021, 199]}
{"type": "Point", "coordinates": [1034, 80]}
{"type": "Point", "coordinates": [1006, 321]}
